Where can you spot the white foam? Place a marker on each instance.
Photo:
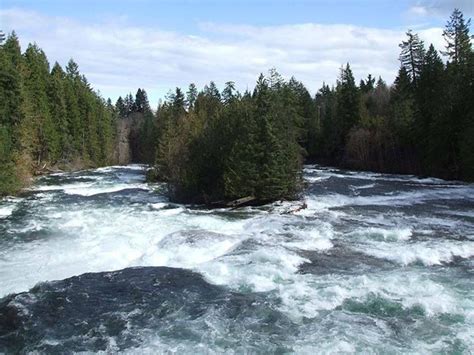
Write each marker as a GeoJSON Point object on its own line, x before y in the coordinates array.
{"type": "Point", "coordinates": [261, 270]}
{"type": "Point", "coordinates": [381, 234]}
{"type": "Point", "coordinates": [111, 238]}
{"type": "Point", "coordinates": [95, 189]}
{"type": "Point", "coordinates": [312, 239]}
{"type": "Point", "coordinates": [259, 250]}
{"type": "Point", "coordinates": [189, 248]}
{"type": "Point", "coordinates": [6, 211]}
{"type": "Point", "coordinates": [159, 205]}
{"type": "Point", "coordinates": [61, 187]}
{"type": "Point", "coordinates": [428, 253]}
{"type": "Point", "coordinates": [107, 169]}
{"type": "Point", "coordinates": [363, 187]}
{"type": "Point", "coordinates": [313, 179]}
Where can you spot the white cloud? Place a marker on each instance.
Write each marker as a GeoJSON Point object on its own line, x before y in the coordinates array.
{"type": "Point", "coordinates": [418, 10]}
{"type": "Point", "coordinates": [117, 57]}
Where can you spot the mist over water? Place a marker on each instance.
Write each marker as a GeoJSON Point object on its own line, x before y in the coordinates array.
{"type": "Point", "coordinates": [375, 263]}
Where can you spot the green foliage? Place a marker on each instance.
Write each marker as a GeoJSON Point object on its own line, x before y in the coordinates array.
{"type": "Point", "coordinates": [423, 124]}
{"type": "Point", "coordinates": [230, 146]}
{"type": "Point", "coordinates": [458, 40]}
{"type": "Point", "coordinates": [217, 146]}
{"type": "Point", "coordinates": [47, 117]}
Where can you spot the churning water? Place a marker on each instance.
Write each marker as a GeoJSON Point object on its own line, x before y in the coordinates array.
{"type": "Point", "coordinates": [99, 260]}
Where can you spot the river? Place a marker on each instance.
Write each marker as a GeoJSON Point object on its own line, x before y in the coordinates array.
{"type": "Point", "coordinates": [100, 260]}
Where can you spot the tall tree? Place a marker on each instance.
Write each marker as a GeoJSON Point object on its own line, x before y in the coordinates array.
{"type": "Point", "coordinates": [458, 40]}
{"type": "Point", "coordinates": [141, 101]}
{"type": "Point", "coordinates": [120, 107]}
{"type": "Point", "coordinates": [44, 141]}
{"type": "Point", "coordinates": [228, 94]}
{"type": "Point", "coordinates": [432, 128]}
{"type": "Point", "coordinates": [191, 96]}
{"type": "Point", "coordinates": [348, 101]}
{"type": "Point", "coordinates": [411, 56]}
{"type": "Point", "coordinates": [56, 93]}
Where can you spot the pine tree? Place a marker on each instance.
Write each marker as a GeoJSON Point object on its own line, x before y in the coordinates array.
{"type": "Point", "coordinates": [458, 40]}
{"type": "Point", "coordinates": [212, 91]}
{"type": "Point", "coordinates": [141, 101]}
{"type": "Point", "coordinates": [368, 85]}
{"type": "Point", "coordinates": [228, 94]}
{"type": "Point", "coordinates": [47, 118]}
{"type": "Point", "coordinates": [460, 88]}
{"type": "Point", "coordinates": [191, 96]}
{"type": "Point", "coordinates": [347, 110]}
{"type": "Point", "coordinates": [56, 94]}
{"type": "Point", "coordinates": [45, 140]}
{"type": "Point", "coordinates": [411, 56]}
{"type": "Point", "coordinates": [10, 81]}
{"type": "Point", "coordinates": [431, 127]}
{"type": "Point", "coordinates": [10, 102]}
{"type": "Point", "coordinates": [402, 104]}
{"type": "Point", "coordinates": [72, 88]}
{"type": "Point", "coordinates": [120, 107]}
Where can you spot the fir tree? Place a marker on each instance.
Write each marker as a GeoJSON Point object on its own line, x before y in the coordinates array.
{"type": "Point", "coordinates": [412, 54]}
{"type": "Point", "coordinates": [458, 40]}
{"type": "Point", "coordinates": [191, 96]}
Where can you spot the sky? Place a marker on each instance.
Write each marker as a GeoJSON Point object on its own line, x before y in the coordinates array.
{"type": "Point", "coordinates": [123, 45]}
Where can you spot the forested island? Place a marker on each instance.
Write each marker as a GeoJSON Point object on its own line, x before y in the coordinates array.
{"type": "Point", "coordinates": [213, 146]}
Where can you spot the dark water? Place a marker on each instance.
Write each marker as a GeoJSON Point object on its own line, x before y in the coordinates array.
{"type": "Point", "coordinates": [100, 261]}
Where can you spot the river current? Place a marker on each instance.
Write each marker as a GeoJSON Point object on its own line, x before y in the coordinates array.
{"type": "Point", "coordinates": [101, 261]}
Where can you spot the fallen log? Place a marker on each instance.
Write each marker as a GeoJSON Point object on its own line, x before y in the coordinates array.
{"type": "Point", "coordinates": [297, 208]}
{"type": "Point", "coordinates": [50, 170]}
{"type": "Point", "coordinates": [241, 201]}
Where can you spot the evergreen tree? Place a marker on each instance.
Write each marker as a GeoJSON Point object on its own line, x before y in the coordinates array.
{"type": "Point", "coordinates": [368, 85]}
{"type": "Point", "coordinates": [347, 110]}
{"type": "Point", "coordinates": [141, 101]}
{"type": "Point", "coordinates": [10, 101]}
{"type": "Point", "coordinates": [458, 40]}
{"type": "Point", "coordinates": [47, 118]}
{"type": "Point", "coordinates": [228, 94]}
{"type": "Point", "coordinates": [56, 93]}
{"type": "Point", "coordinates": [191, 95]}
{"type": "Point", "coordinates": [120, 107]}
{"type": "Point", "coordinates": [402, 104]}
{"type": "Point", "coordinates": [44, 142]}
{"type": "Point", "coordinates": [411, 56]}
{"type": "Point", "coordinates": [431, 126]}
{"type": "Point", "coordinates": [130, 106]}
{"type": "Point", "coordinates": [212, 91]}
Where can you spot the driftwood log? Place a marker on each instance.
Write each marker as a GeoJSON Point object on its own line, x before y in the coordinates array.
{"type": "Point", "coordinates": [241, 202]}
{"type": "Point", "coordinates": [298, 208]}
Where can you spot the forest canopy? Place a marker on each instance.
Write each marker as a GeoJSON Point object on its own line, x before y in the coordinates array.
{"type": "Point", "coordinates": [48, 116]}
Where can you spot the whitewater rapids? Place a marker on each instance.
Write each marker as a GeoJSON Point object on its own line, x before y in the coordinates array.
{"type": "Point", "coordinates": [376, 263]}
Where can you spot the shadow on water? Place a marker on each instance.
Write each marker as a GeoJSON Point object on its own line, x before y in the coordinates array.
{"type": "Point", "coordinates": [119, 310]}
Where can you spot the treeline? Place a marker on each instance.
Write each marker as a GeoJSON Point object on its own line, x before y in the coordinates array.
{"type": "Point", "coordinates": [215, 146]}
{"type": "Point", "coordinates": [422, 124]}
{"type": "Point", "coordinates": [49, 118]}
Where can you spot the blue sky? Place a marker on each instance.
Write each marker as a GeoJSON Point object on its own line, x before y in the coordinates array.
{"type": "Point", "coordinates": [122, 45]}
{"type": "Point", "coordinates": [184, 15]}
